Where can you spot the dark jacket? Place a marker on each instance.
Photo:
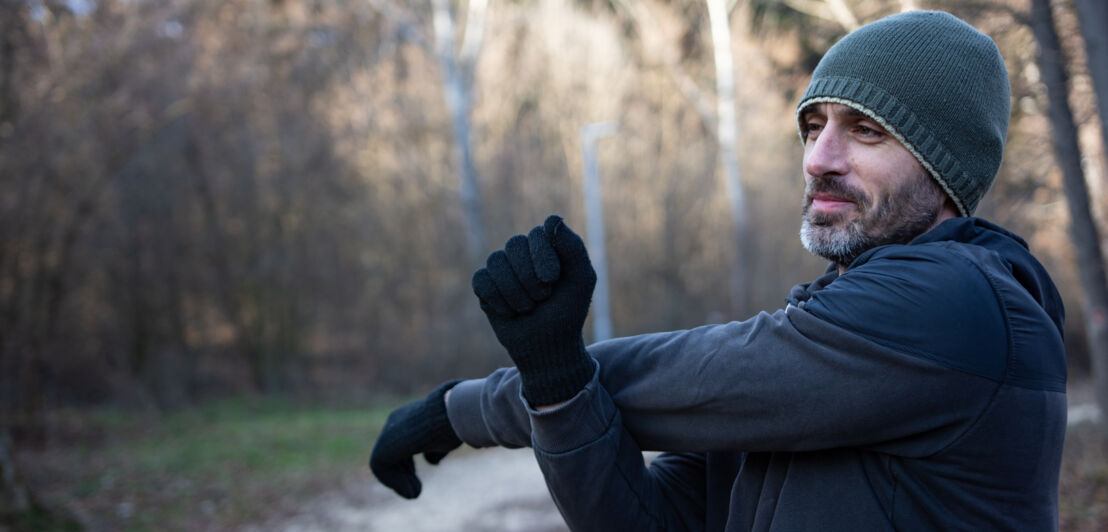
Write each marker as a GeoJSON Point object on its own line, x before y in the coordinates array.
{"type": "Point", "coordinates": [923, 389]}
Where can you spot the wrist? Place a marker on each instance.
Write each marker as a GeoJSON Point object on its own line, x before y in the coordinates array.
{"type": "Point", "coordinates": [437, 420]}
{"type": "Point", "coordinates": [558, 377]}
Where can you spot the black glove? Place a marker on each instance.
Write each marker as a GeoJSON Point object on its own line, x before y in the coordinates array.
{"type": "Point", "coordinates": [419, 427]}
{"type": "Point", "coordinates": [536, 294]}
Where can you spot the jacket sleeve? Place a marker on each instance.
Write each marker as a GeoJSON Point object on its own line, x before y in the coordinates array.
{"type": "Point", "coordinates": [596, 474]}
{"type": "Point", "coordinates": [793, 380]}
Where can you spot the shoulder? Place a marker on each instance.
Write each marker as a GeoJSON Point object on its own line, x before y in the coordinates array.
{"type": "Point", "coordinates": [938, 301]}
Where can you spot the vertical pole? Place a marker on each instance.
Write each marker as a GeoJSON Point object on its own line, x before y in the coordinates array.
{"type": "Point", "coordinates": [594, 216]}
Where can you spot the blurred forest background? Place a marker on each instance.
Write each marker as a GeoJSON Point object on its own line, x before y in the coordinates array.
{"type": "Point", "coordinates": [204, 199]}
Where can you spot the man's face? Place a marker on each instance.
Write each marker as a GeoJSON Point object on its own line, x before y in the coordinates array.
{"type": "Point", "coordinates": [863, 188]}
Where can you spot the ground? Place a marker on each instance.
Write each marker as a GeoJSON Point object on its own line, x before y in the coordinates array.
{"type": "Point", "coordinates": [257, 466]}
{"type": "Point", "coordinates": [493, 490]}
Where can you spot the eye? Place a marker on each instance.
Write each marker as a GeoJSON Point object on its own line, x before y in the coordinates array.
{"type": "Point", "coordinates": [812, 127]}
{"type": "Point", "coordinates": [868, 132]}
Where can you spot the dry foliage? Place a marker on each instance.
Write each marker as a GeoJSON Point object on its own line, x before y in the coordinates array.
{"type": "Point", "coordinates": [204, 198]}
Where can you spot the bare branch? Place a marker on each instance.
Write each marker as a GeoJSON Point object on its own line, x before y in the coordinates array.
{"type": "Point", "coordinates": [689, 89]}
{"type": "Point", "coordinates": [843, 15]}
{"type": "Point", "coordinates": [831, 10]}
{"type": "Point", "coordinates": [812, 8]}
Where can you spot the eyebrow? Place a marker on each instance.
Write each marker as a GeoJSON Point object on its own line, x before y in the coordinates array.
{"type": "Point", "coordinates": [808, 109]}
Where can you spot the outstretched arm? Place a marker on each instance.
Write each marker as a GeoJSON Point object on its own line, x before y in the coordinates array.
{"type": "Point", "coordinates": [886, 357]}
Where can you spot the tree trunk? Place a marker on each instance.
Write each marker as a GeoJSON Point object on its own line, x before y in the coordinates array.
{"type": "Point", "coordinates": [19, 508]}
{"type": "Point", "coordinates": [1093, 15]}
{"type": "Point", "coordinates": [456, 89]}
{"type": "Point", "coordinates": [1086, 241]}
{"type": "Point", "coordinates": [14, 498]}
{"type": "Point", "coordinates": [727, 133]}
{"type": "Point", "coordinates": [10, 29]}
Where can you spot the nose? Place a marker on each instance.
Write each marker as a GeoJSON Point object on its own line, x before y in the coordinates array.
{"type": "Point", "coordinates": [826, 155]}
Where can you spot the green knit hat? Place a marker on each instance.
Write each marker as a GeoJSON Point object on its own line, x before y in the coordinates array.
{"type": "Point", "coordinates": [935, 83]}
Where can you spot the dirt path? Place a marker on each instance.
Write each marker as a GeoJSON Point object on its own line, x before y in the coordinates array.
{"type": "Point", "coordinates": [492, 490]}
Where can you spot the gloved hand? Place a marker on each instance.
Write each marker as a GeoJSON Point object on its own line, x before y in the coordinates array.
{"type": "Point", "coordinates": [419, 427]}
{"type": "Point", "coordinates": [536, 294]}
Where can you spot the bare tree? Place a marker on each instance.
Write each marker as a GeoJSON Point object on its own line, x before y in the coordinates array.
{"type": "Point", "coordinates": [457, 82]}
{"type": "Point", "coordinates": [1093, 15]}
{"type": "Point", "coordinates": [456, 66]}
{"type": "Point", "coordinates": [14, 497]}
{"type": "Point", "coordinates": [727, 134]}
{"type": "Point", "coordinates": [1086, 240]}
{"type": "Point", "coordinates": [189, 211]}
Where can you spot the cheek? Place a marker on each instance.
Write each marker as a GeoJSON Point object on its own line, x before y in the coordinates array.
{"type": "Point", "coordinates": [883, 175]}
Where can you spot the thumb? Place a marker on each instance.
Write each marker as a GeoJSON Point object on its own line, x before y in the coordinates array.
{"type": "Point", "coordinates": [400, 476]}
{"type": "Point", "coordinates": [567, 244]}
{"type": "Point", "coordinates": [434, 457]}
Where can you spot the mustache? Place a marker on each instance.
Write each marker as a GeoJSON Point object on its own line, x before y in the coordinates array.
{"type": "Point", "coordinates": [835, 187]}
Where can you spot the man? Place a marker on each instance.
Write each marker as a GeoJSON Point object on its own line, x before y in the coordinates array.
{"type": "Point", "coordinates": [919, 384]}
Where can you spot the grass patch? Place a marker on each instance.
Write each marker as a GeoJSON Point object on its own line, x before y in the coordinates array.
{"type": "Point", "coordinates": [214, 466]}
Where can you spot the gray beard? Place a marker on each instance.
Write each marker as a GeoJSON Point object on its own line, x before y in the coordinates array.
{"type": "Point", "coordinates": [907, 212]}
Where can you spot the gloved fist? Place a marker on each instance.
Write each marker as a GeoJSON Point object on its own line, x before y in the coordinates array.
{"type": "Point", "coordinates": [536, 293]}
{"type": "Point", "coordinates": [419, 427]}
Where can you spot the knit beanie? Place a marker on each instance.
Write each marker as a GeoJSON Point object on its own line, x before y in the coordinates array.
{"type": "Point", "coordinates": [936, 84]}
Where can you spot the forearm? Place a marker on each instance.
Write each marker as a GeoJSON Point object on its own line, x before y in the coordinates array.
{"type": "Point", "coordinates": [543, 408]}
{"type": "Point", "coordinates": [593, 468]}
{"type": "Point", "coordinates": [597, 476]}
{"type": "Point", "coordinates": [490, 412]}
